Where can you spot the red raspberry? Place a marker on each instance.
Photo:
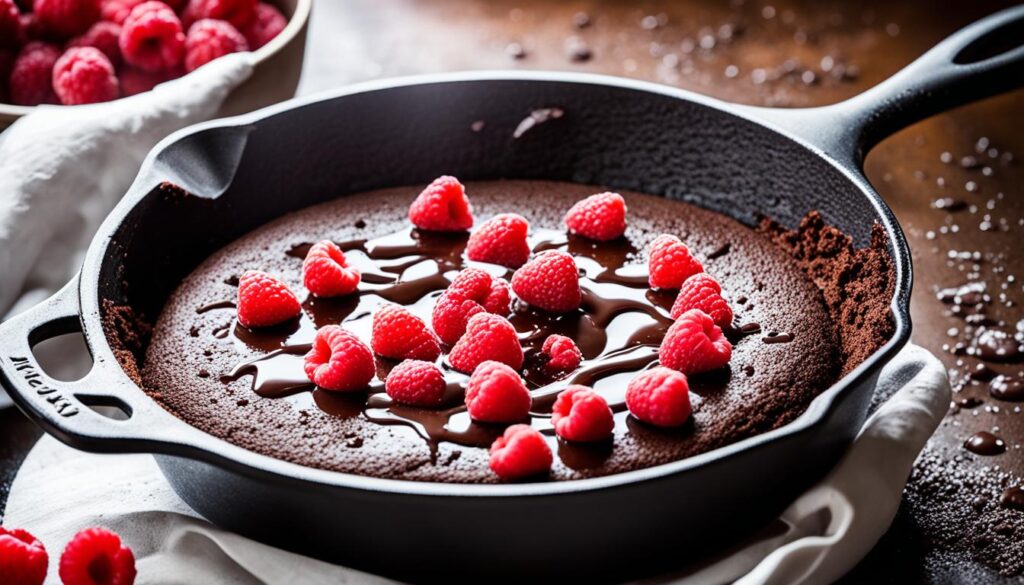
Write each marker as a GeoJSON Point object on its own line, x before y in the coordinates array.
{"type": "Point", "coordinates": [238, 12]}
{"type": "Point", "coordinates": [339, 361]}
{"type": "Point", "coordinates": [442, 207]}
{"type": "Point", "coordinates": [450, 315]}
{"type": "Point", "coordinates": [264, 26]}
{"type": "Point", "coordinates": [472, 291]}
{"type": "Point", "coordinates": [134, 81]}
{"type": "Point", "coordinates": [496, 394]}
{"type": "Point", "coordinates": [31, 29]}
{"type": "Point", "coordinates": [660, 397]}
{"type": "Point", "coordinates": [499, 297]}
{"type": "Point", "coordinates": [23, 558]}
{"type": "Point", "coordinates": [417, 383]}
{"type": "Point", "coordinates": [10, 24]}
{"type": "Point", "coordinates": [600, 217]}
{"type": "Point", "coordinates": [488, 337]}
{"type": "Point", "coordinates": [263, 300]}
{"type": "Point", "coordinates": [702, 291]}
{"type": "Point", "coordinates": [6, 64]}
{"type": "Point", "coordinates": [209, 39]}
{"type": "Point", "coordinates": [66, 18]}
{"type": "Point", "coordinates": [670, 263]}
{"type": "Point", "coordinates": [326, 272]}
{"type": "Point", "coordinates": [152, 39]}
{"type": "Point", "coordinates": [96, 556]}
{"type": "Point", "coordinates": [103, 36]}
{"type": "Point", "coordinates": [400, 335]}
{"type": "Point", "coordinates": [550, 282]}
{"type": "Point", "coordinates": [117, 11]}
{"type": "Point", "coordinates": [582, 415]}
{"type": "Point", "coordinates": [694, 344]}
{"type": "Point", "coordinates": [84, 75]}
{"type": "Point", "coordinates": [520, 452]}
{"type": "Point", "coordinates": [562, 353]}
{"type": "Point", "coordinates": [501, 240]}
{"type": "Point", "coordinates": [32, 75]}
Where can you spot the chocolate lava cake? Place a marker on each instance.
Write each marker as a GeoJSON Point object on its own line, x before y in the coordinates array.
{"type": "Point", "coordinates": [808, 308]}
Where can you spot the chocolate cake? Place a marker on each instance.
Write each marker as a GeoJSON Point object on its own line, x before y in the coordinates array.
{"type": "Point", "coordinates": [808, 308]}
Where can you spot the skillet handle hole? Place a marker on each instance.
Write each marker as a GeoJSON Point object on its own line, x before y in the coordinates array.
{"type": "Point", "coordinates": [993, 43]}
{"type": "Point", "coordinates": [63, 355]}
{"type": "Point", "coordinates": [109, 406]}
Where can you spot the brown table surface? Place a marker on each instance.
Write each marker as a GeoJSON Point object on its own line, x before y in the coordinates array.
{"type": "Point", "coordinates": [770, 52]}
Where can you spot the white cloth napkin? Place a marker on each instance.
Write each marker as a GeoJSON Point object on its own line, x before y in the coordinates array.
{"type": "Point", "coordinates": [63, 169]}
{"type": "Point", "coordinates": [60, 491]}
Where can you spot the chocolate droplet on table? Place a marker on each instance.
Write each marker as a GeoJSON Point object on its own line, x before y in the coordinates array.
{"type": "Point", "coordinates": [994, 345]}
{"type": "Point", "coordinates": [1008, 389]}
{"type": "Point", "coordinates": [1013, 498]}
{"type": "Point", "coordinates": [985, 443]}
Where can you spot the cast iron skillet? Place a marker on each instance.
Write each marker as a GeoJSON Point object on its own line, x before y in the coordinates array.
{"type": "Point", "coordinates": [245, 171]}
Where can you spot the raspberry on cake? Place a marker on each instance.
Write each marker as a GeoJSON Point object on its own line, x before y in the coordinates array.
{"type": "Point", "coordinates": [209, 39]}
{"type": "Point", "coordinates": [103, 36]}
{"type": "Point", "coordinates": [497, 394]}
{"type": "Point", "coordinates": [600, 217]}
{"type": "Point", "coordinates": [582, 415]}
{"type": "Point", "coordinates": [472, 291]}
{"type": "Point", "coordinates": [32, 75]}
{"type": "Point", "coordinates": [263, 300]}
{"type": "Point", "coordinates": [66, 18]}
{"type": "Point", "coordinates": [416, 383]}
{"type": "Point", "coordinates": [442, 207]}
{"type": "Point", "coordinates": [400, 335]}
{"type": "Point", "coordinates": [267, 23]}
{"type": "Point", "coordinates": [152, 38]}
{"type": "Point", "coordinates": [488, 337]}
{"type": "Point", "coordinates": [551, 282]}
{"type": "Point", "coordinates": [702, 291]}
{"type": "Point", "coordinates": [670, 263]}
{"type": "Point", "coordinates": [84, 75]}
{"type": "Point", "coordinates": [326, 272]}
{"type": "Point", "coordinates": [23, 559]}
{"type": "Point", "coordinates": [339, 361]}
{"type": "Point", "coordinates": [562, 353]}
{"type": "Point", "coordinates": [501, 240]}
{"type": "Point", "coordinates": [97, 555]}
{"type": "Point", "coordinates": [694, 344]}
{"type": "Point", "coordinates": [660, 397]}
{"type": "Point", "coordinates": [519, 453]}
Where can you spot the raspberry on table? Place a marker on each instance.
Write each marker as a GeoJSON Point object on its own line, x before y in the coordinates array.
{"type": "Point", "coordinates": [488, 337]}
{"type": "Point", "coordinates": [10, 24]}
{"type": "Point", "coordinates": [117, 11]}
{"type": "Point", "coordinates": [702, 291]}
{"type": "Point", "coordinates": [267, 23]}
{"type": "Point", "coordinates": [416, 383]}
{"type": "Point", "coordinates": [104, 36]}
{"type": "Point", "coordinates": [519, 453]}
{"type": "Point", "coordinates": [660, 397]}
{"type": "Point", "coordinates": [238, 12]}
{"type": "Point", "coordinates": [442, 207]}
{"type": "Point", "coordinates": [694, 344]}
{"type": "Point", "coordinates": [450, 315]}
{"type": "Point", "coordinates": [472, 291]}
{"type": "Point", "coordinates": [562, 353]}
{"type": "Point", "coordinates": [32, 75]}
{"type": "Point", "coordinates": [501, 240]}
{"type": "Point", "coordinates": [23, 559]}
{"type": "Point", "coordinates": [97, 556]}
{"type": "Point", "coordinates": [84, 75]}
{"type": "Point", "coordinates": [66, 18]}
{"type": "Point", "coordinates": [152, 38]}
{"type": "Point", "coordinates": [400, 335]}
{"type": "Point", "coordinates": [551, 282]}
{"type": "Point", "coordinates": [600, 217]}
{"type": "Point", "coordinates": [325, 271]}
{"type": "Point", "coordinates": [209, 39]}
{"type": "Point", "coordinates": [582, 415]}
{"type": "Point", "coordinates": [264, 301]}
{"type": "Point", "coordinates": [670, 263]}
{"type": "Point", "coordinates": [339, 361]}
{"type": "Point", "coordinates": [497, 394]}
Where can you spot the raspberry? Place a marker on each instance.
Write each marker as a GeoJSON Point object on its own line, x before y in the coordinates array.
{"type": "Point", "coordinates": [32, 75]}
{"type": "Point", "coordinates": [339, 361]}
{"type": "Point", "coordinates": [520, 452]}
{"type": "Point", "coordinates": [582, 415]}
{"type": "Point", "coordinates": [103, 36]}
{"type": "Point", "coordinates": [669, 263]}
{"type": "Point", "coordinates": [23, 558]}
{"type": "Point", "coordinates": [152, 39]}
{"type": "Point", "coordinates": [562, 353]}
{"type": "Point", "coordinates": [472, 291]}
{"type": "Point", "coordinates": [117, 11]}
{"type": "Point", "coordinates": [6, 64]}
{"type": "Point", "coordinates": [326, 273]}
{"type": "Point", "coordinates": [96, 556]}
{"type": "Point", "coordinates": [66, 18]}
{"type": "Point", "coordinates": [134, 81]}
{"type": "Point", "coordinates": [450, 315]}
{"type": "Point", "coordinates": [10, 24]}
{"type": "Point", "coordinates": [694, 344]}
{"type": "Point", "coordinates": [496, 394]}
{"type": "Point", "coordinates": [84, 75]}
{"type": "Point", "coordinates": [600, 217]}
{"type": "Point", "coordinates": [263, 300]}
{"type": "Point", "coordinates": [31, 29]}
{"type": "Point", "coordinates": [660, 397]}
{"type": "Point", "coordinates": [488, 337]}
{"type": "Point", "coordinates": [702, 291]}
{"type": "Point", "coordinates": [550, 282]}
{"type": "Point", "coordinates": [264, 26]}
{"type": "Point", "coordinates": [238, 12]}
{"type": "Point", "coordinates": [501, 240]}
{"type": "Point", "coordinates": [499, 297]}
{"type": "Point", "coordinates": [400, 335]}
{"type": "Point", "coordinates": [442, 207]}
{"type": "Point", "coordinates": [208, 39]}
{"type": "Point", "coordinates": [417, 383]}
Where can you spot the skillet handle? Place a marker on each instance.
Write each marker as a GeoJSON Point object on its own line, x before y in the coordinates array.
{"type": "Point", "coordinates": [981, 60]}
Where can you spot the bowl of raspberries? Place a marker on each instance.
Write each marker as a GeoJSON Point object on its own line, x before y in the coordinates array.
{"type": "Point", "coordinates": [77, 52]}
